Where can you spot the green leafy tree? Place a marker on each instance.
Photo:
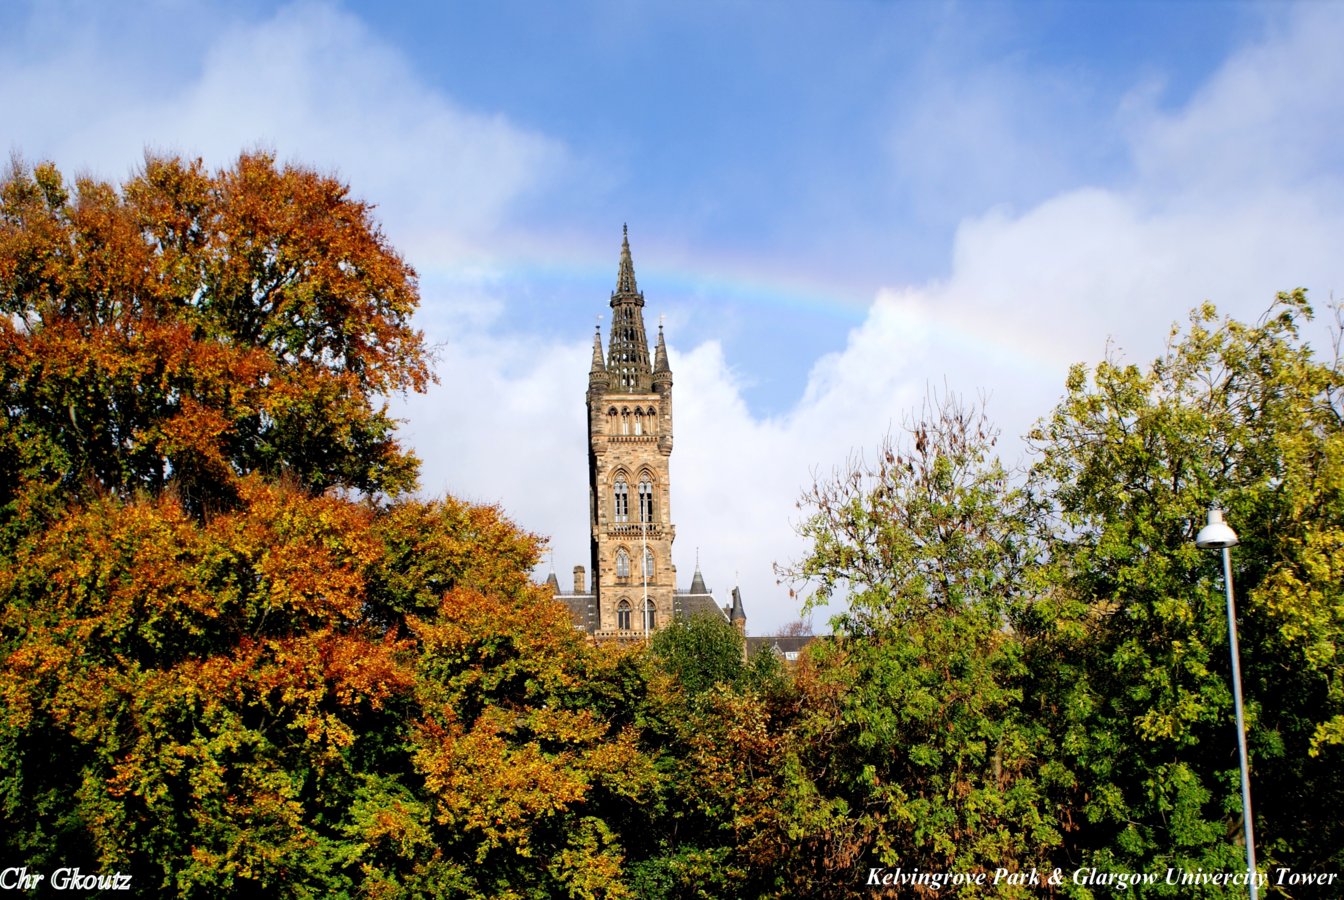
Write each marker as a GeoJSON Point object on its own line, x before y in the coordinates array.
{"type": "Point", "coordinates": [1134, 663]}
{"type": "Point", "coordinates": [915, 743]}
{"type": "Point", "coordinates": [700, 652]}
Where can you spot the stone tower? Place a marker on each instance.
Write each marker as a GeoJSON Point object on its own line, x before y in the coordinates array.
{"type": "Point", "coordinates": [629, 445]}
{"type": "Point", "coordinates": [633, 591]}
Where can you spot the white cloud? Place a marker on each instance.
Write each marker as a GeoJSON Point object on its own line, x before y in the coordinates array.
{"type": "Point", "coordinates": [310, 83]}
{"type": "Point", "coordinates": [1268, 117]}
{"type": "Point", "coordinates": [506, 425]}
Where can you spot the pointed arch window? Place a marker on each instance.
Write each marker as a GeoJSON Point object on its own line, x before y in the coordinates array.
{"type": "Point", "coordinates": [648, 564]}
{"type": "Point", "coordinates": [645, 499]}
{"type": "Point", "coordinates": [623, 615]}
{"type": "Point", "coordinates": [621, 498]}
{"type": "Point", "coordinates": [650, 616]}
{"type": "Point", "coordinates": [639, 421]}
{"type": "Point", "coordinates": [622, 563]}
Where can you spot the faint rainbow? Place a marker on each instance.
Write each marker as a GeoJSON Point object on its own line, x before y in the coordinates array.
{"type": "Point", "coordinates": [767, 286]}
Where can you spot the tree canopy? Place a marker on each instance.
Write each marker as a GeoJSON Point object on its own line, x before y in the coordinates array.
{"type": "Point", "coordinates": [917, 735]}
{"type": "Point", "coordinates": [1035, 673]}
{"type": "Point", "coordinates": [1134, 649]}
{"type": "Point", "coordinates": [189, 328]}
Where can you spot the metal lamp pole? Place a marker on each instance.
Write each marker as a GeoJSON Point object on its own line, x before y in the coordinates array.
{"type": "Point", "coordinates": [644, 565]}
{"type": "Point", "coordinates": [1218, 535]}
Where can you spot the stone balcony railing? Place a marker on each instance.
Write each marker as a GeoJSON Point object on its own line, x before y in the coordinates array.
{"type": "Point", "coordinates": [620, 634]}
{"type": "Point", "coordinates": [653, 530]}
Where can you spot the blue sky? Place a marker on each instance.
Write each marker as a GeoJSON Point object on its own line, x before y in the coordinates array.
{"type": "Point", "coordinates": [835, 205]}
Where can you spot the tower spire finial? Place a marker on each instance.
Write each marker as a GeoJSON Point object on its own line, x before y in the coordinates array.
{"type": "Point", "coordinates": [625, 275]}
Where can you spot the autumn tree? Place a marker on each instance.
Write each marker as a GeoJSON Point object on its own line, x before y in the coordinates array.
{"type": "Point", "coordinates": [191, 327]}
{"type": "Point", "coordinates": [274, 703]}
{"type": "Point", "coordinates": [716, 725]}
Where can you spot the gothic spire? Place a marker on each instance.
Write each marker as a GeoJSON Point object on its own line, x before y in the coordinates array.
{"type": "Point", "coordinates": [598, 365]}
{"type": "Point", "coordinates": [628, 353]}
{"type": "Point", "coordinates": [625, 276]}
{"type": "Point", "coordinates": [660, 366]}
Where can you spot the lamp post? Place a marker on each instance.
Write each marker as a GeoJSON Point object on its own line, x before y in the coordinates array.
{"type": "Point", "coordinates": [644, 562]}
{"type": "Point", "coordinates": [1218, 535]}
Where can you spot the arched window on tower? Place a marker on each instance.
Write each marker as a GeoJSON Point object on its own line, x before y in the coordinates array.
{"type": "Point", "coordinates": [650, 616]}
{"type": "Point", "coordinates": [648, 564]}
{"type": "Point", "coordinates": [621, 496]}
{"type": "Point", "coordinates": [639, 421]}
{"type": "Point", "coordinates": [645, 499]}
{"type": "Point", "coordinates": [622, 564]}
{"type": "Point", "coordinates": [625, 421]}
{"type": "Point", "coordinates": [623, 615]}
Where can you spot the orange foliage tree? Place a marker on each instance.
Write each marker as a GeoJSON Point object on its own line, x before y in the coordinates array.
{"type": "Point", "coordinates": [274, 702]}
{"type": "Point", "coordinates": [193, 327]}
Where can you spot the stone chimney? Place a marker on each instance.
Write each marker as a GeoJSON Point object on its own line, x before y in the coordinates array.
{"type": "Point", "coordinates": [579, 580]}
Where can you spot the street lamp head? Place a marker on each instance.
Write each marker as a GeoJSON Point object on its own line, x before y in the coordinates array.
{"type": "Point", "coordinates": [1217, 534]}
